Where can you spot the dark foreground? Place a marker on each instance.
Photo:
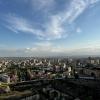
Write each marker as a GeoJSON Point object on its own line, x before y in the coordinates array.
{"type": "Point", "coordinates": [55, 89]}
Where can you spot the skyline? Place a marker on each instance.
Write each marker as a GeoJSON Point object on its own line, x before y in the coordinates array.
{"type": "Point", "coordinates": [49, 27]}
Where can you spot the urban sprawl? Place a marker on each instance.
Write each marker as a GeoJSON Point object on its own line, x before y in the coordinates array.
{"type": "Point", "coordinates": [49, 78]}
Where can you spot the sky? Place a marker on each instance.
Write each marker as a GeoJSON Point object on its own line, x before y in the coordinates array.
{"type": "Point", "coordinates": [49, 27]}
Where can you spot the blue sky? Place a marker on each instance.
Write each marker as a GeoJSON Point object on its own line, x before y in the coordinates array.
{"type": "Point", "coordinates": [49, 27]}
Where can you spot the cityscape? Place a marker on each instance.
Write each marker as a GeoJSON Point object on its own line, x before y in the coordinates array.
{"type": "Point", "coordinates": [49, 50]}
{"type": "Point", "coordinates": [46, 78]}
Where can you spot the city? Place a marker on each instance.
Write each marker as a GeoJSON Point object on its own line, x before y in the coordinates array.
{"type": "Point", "coordinates": [20, 75]}
{"type": "Point", "coordinates": [49, 49]}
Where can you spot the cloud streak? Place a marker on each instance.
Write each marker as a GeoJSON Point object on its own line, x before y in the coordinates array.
{"type": "Point", "coordinates": [55, 27]}
{"type": "Point", "coordinates": [44, 5]}
{"type": "Point", "coordinates": [19, 24]}
{"type": "Point", "coordinates": [41, 50]}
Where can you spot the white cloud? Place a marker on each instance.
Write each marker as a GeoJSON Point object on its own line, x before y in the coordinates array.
{"type": "Point", "coordinates": [52, 51]}
{"type": "Point", "coordinates": [52, 30]}
{"type": "Point", "coordinates": [56, 25]}
{"type": "Point", "coordinates": [93, 1]}
{"type": "Point", "coordinates": [77, 7]}
{"type": "Point", "coordinates": [78, 30]}
{"type": "Point", "coordinates": [48, 47]}
{"type": "Point", "coordinates": [93, 44]}
{"type": "Point", "coordinates": [19, 24]}
{"type": "Point", "coordinates": [43, 5]}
